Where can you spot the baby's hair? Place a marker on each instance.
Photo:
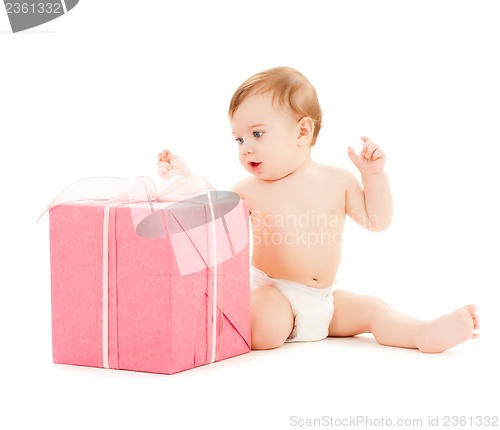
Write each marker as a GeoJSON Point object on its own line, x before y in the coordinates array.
{"type": "Point", "coordinates": [290, 88]}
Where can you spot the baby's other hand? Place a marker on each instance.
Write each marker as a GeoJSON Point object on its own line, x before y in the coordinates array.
{"type": "Point", "coordinates": [170, 165]}
{"type": "Point", "coordinates": [370, 160]}
{"type": "Point", "coordinates": [163, 165]}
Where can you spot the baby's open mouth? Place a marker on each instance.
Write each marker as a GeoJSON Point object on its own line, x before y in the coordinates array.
{"type": "Point", "coordinates": [255, 163]}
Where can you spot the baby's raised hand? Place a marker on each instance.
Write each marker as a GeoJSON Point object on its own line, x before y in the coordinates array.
{"type": "Point", "coordinates": [164, 166]}
{"type": "Point", "coordinates": [370, 160]}
{"type": "Point", "coordinates": [170, 165]}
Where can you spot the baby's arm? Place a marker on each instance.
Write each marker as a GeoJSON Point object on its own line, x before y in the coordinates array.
{"type": "Point", "coordinates": [370, 205]}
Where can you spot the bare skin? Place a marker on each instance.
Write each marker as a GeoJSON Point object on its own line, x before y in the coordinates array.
{"type": "Point", "coordinates": [298, 208]}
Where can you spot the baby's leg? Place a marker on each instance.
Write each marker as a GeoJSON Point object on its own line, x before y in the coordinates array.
{"type": "Point", "coordinates": [356, 314]}
{"type": "Point", "coordinates": [272, 318]}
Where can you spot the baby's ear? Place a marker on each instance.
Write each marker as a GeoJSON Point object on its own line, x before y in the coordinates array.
{"type": "Point", "coordinates": [306, 130]}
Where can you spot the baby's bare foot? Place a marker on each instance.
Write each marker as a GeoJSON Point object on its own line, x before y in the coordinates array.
{"type": "Point", "coordinates": [449, 330]}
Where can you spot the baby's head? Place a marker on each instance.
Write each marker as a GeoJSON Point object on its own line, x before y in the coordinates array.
{"type": "Point", "coordinates": [291, 91]}
{"type": "Point", "coordinates": [276, 117]}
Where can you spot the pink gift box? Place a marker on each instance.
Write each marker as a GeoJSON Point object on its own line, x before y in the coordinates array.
{"type": "Point", "coordinates": [168, 304]}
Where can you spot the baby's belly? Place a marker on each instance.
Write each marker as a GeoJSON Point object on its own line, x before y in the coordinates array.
{"type": "Point", "coordinates": [309, 257]}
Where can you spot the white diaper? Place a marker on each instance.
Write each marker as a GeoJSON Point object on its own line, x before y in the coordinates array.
{"type": "Point", "coordinates": [312, 307]}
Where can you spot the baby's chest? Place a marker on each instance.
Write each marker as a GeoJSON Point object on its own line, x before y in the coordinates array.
{"type": "Point", "coordinates": [304, 210]}
{"type": "Point", "coordinates": [298, 200]}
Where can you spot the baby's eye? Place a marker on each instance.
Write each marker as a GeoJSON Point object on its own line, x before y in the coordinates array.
{"type": "Point", "coordinates": [258, 134]}
{"type": "Point", "coordinates": [239, 140]}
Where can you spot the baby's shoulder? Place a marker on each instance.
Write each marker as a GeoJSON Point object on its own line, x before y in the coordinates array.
{"type": "Point", "coordinates": [245, 186]}
{"type": "Point", "coordinates": [338, 174]}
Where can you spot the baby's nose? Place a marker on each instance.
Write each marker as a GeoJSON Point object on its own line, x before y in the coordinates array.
{"type": "Point", "coordinates": [247, 148]}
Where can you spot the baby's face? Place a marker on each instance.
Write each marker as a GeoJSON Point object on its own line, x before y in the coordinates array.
{"type": "Point", "coordinates": [267, 138]}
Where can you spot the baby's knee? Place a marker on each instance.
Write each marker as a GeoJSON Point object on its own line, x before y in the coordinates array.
{"type": "Point", "coordinates": [377, 302]}
{"type": "Point", "coordinates": [272, 318]}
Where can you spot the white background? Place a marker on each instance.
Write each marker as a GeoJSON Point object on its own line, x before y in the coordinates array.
{"type": "Point", "coordinates": [103, 89]}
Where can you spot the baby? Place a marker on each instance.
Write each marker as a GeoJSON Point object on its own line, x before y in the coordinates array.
{"type": "Point", "coordinates": [298, 208]}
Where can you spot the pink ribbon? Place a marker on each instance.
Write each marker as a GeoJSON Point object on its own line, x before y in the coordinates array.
{"type": "Point", "coordinates": [106, 188]}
